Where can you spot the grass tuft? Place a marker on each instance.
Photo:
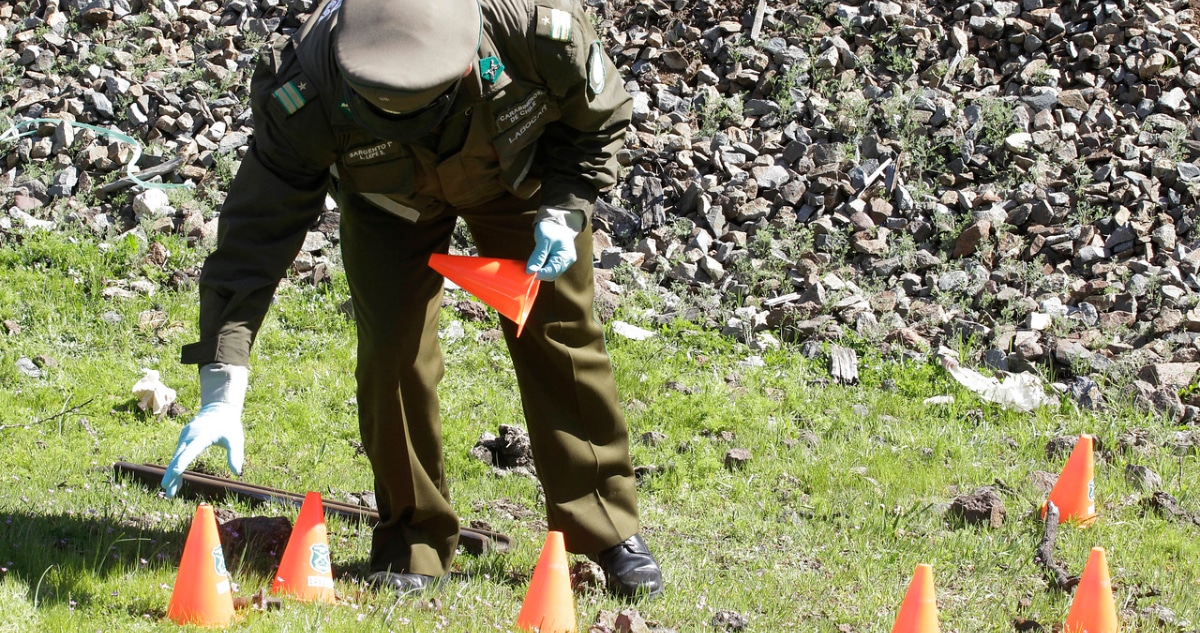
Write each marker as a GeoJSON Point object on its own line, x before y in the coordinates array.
{"type": "Point", "coordinates": [820, 530]}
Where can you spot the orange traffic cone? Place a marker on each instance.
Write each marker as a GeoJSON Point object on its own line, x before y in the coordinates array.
{"type": "Point", "coordinates": [1075, 492]}
{"type": "Point", "coordinates": [549, 605]}
{"type": "Point", "coordinates": [305, 572]}
{"type": "Point", "coordinates": [503, 284]}
{"type": "Point", "coordinates": [918, 612]}
{"type": "Point", "coordinates": [202, 594]}
{"type": "Point", "coordinates": [1093, 610]}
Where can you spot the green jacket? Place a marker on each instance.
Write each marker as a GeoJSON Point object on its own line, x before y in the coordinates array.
{"type": "Point", "coordinates": [543, 108]}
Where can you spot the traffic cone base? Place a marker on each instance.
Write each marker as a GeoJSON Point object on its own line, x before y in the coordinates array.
{"type": "Point", "coordinates": [1093, 609]}
{"type": "Point", "coordinates": [502, 284]}
{"type": "Point", "coordinates": [918, 612]}
{"type": "Point", "coordinates": [305, 572]}
{"type": "Point", "coordinates": [1074, 494]}
{"type": "Point", "coordinates": [202, 594]}
{"type": "Point", "coordinates": [549, 605]}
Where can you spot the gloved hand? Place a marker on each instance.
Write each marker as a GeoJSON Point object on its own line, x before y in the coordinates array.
{"type": "Point", "coordinates": [222, 394]}
{"type": "Point", "coordinates": [554, 243]}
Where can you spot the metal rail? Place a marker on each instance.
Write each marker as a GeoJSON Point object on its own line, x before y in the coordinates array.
{"type": "Point", "coordinates": [199, 485]}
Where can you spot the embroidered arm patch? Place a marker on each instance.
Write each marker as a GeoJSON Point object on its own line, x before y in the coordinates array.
{"type": "Point", "coordinates": [595, 68]}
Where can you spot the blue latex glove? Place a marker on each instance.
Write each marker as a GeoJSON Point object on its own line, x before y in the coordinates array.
{"type": "Point", "coordinates": [222, 393]}
{"type": "Point", "coordinates": [553, 250]}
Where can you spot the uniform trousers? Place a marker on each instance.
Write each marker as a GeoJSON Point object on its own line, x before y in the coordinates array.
{"type": "Point", "coordinates": [578, 434]}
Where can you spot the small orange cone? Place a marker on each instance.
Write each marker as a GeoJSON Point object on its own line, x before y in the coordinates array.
{"type": "Point", "coordinates": [1093, 610]}
{"type": "Point", "coordinates": [918, 612]}
{"type": "Point", "coordinates": [549, 605]}
{"type": "Point", "coordinates": [503, 284]}
{"type": "Point", "coordinates": [305, 572]}
{"type": "Point", "coordinates": [1075, 492]}
{"type": "Point", "coordinates": [202, 594]}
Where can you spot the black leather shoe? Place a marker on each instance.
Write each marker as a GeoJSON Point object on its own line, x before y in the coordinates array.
{"type": "Point", "coordinates": [631, 570]}
{"type": "Point", "coordinates": [402, 583]}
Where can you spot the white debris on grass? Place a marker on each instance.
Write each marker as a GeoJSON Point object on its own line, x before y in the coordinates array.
{"type": "Point", "coordinates": [152, 394]}
{"type": "Point", "coordinates": [939, 400]}
{"type": "Point", "coordinates": [1023, 392]}
{"type": "Point", "coordinates": [752, 361]}
{"type": "Point", "coordinates": [452, 332]}
{"type": "Point", "coordinates": [762, 342]}
{"type": "Point", "coordinates": [631, 331]}
{"type": "Point", "coordinates": [30, 222]}
{"type": "Point", "coordinates": [28, 367]}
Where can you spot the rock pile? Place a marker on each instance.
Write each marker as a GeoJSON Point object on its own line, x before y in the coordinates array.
{"type": "Point", "coordinates": [910, 172]}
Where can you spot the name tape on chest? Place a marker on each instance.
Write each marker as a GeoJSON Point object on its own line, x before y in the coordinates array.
{"type": "Point", "coordinates": [372, 153]}
{"type": "Point", "coordinates": [554, 24]}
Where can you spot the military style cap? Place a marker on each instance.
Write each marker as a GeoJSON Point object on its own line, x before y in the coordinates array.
{"type": "Point", "coordinates": [402, 60]}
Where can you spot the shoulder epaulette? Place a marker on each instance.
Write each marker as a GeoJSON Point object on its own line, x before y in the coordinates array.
{"type": "Point", "coordinates": [554, 24]}
{"type": "Point", "coordinates": [294, 94]}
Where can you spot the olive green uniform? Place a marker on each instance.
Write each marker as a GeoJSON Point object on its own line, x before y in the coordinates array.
{"type": "Point", "coordinates": [534, 125]}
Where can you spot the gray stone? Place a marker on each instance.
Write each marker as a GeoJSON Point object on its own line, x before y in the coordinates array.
{"type": "Point", "coordinates": [953, 281]}
{"type": "Point", "coordinates": [151, 203]}
{"type": "Point", "coordinates": [770, 177]}
{"type": "Point", "coordinates": [1089, 254]}
{"type": "Point", "coordinates": [1188, 172]}
{"type": "Point", "coordinates": [64, 182]}
{"type": "Point", "coordinates": [1170, 374]}
{"type": "Point", "coordinates": [1173, 100]}
{"type": "Point", "coordinates": [1142, 477]}
{"type": "Point", "coordinates": [102, 105]}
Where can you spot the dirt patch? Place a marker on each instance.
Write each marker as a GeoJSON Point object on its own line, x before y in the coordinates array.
{"type": "Point", "coordinates": [982, 507]}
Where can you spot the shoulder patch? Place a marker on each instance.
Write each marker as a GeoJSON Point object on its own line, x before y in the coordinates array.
{"type": "Point", "coordinates": [554, 24]}
{"type": "Point", "coordinates": [595, 68]}
{"type": "Point", "coordinates": [294, 94]}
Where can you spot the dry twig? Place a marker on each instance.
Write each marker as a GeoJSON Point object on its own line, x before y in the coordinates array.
{"type": "Point", "coordinates": [1056, 573]}
{"type": "Point", "coordinates": [64, 411]}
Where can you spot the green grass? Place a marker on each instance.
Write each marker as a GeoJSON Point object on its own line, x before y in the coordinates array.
{"type": "Point", "coordinates": [820, 531]}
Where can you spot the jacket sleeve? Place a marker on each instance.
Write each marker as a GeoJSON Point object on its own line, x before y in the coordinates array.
{"type": "Point", "coordinates": [578, 151]}
{"type": "Point", "coordinates": [276, 196]}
